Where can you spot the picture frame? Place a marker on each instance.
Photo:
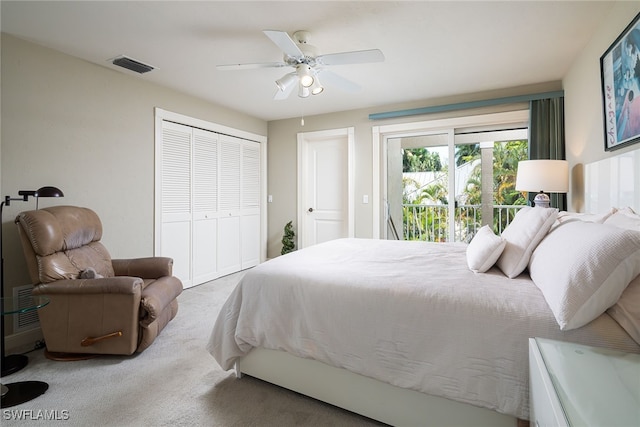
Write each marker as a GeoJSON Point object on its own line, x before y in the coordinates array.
{"type": "Point", "coordinates": [620, 80]}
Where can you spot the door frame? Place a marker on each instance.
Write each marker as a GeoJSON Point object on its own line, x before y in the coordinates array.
{"type": "Point", "coordinates": [303, 139]}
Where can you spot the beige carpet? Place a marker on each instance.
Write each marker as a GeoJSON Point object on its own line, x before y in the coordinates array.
{"type": "Point", "coordinates": [175, 382]}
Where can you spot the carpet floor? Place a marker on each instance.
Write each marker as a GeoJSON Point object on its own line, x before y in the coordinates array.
{"type": "Point", "coordinates": [175, 382]}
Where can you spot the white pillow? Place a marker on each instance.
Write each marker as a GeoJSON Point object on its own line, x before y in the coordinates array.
{"type": "Point", "coordinates": [582, 268]}
{"type": "Point", "coordinates": [625, 218]}
{"type": "Point", "coordinates": [524, 233]}
{"type": "Point", "coordinates": [564, 216]}
{"type": "Point", "coordinates": [484, 249]}
{"type": "Point", "coordinates": [627, 310]}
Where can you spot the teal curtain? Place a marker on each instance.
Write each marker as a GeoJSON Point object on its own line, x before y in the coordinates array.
{"type": "Point", "coordinates": [546, 138]}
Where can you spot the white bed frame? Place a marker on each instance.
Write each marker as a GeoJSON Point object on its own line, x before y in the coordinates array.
{"type": "Point", "coordinates": [397, 406]}
{"type": "Point", "coordinates": [363, 395]}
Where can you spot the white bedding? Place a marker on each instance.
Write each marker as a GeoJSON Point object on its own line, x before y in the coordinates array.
{"type": "Point", "coordinates": [407, 313]}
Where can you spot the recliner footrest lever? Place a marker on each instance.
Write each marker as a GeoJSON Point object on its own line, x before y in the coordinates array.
{"type": "Point", "coordinates": [92, 340]}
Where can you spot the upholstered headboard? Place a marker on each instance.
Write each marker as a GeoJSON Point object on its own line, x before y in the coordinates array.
{"type": "Point", "coordinates": [613, 182]}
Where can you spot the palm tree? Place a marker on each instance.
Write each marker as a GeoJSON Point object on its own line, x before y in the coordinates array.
{"type": "Point", "coordinates": [467, 153]}
{"type": "Point", "coordinates": [420, 160]}
{"type": "Point", "coordinates": [506, 156]}
{"type": "Point", "coordinates": [505, 167]}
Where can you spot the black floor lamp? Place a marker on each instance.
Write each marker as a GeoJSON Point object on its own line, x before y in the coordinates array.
{"type": "Point", "coordinates": [15, 362]}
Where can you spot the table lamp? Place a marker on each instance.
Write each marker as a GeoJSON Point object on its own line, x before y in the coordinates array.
{"type": "Point", "coordinates": [551, 176]}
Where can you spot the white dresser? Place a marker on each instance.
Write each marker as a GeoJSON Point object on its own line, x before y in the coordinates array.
{"type": "Point", "coordinates": [577, 385]}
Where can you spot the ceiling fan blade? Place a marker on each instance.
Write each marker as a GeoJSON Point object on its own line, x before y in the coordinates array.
{"type": "Point", "coordinates": [284, 42]}
{"type": "Point", "coordinates": [356, 57]}
{"type": "Point", "coordinates": [250, 66]}
{"type": "Point", "coordinates": [338, 81]}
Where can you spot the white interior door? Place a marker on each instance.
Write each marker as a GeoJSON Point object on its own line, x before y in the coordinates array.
{"type": "Point", "coordinates": [229, 206]}
{"type": "Point", "coordinates": [325, 186]}
{"type": "Point", "coordinates": [205, 202]}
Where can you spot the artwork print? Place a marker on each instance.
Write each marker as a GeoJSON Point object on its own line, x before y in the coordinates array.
{"type": "Point", "coordinates": [620, 72]}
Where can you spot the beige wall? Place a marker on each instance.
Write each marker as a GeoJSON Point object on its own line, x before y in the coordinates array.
{"type": "Point", "coordinates": [583, 101]}
{"type": "Point", "coordinates": [88, 130]}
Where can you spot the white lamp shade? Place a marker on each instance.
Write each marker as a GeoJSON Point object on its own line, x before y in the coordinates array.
{"type": "Point", "coordinates": [305, 74]}
{"type": "Point", "coordinates": [551, 176]}
{"type": "Point", "coordinates": [316, 87]}
{"type": "Point", "coordinates": [303, 92]}
{"type": "Point", "coordinates": [285, 81]}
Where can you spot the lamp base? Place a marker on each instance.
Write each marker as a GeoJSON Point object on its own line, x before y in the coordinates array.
{"type": "Point", "coordinates": [542, 200]}
{"type": "Point", "coordinates": [22, 392]}
{"type": "Point", "coordinates": [13, 363]}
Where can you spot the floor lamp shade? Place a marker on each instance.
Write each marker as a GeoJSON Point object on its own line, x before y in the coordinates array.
{"type": "Point", "coordinates": [551, 176]}
{"type": "Point", "coordinates": [49, 192]}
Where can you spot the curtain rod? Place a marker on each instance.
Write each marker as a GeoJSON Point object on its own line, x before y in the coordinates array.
{"type": "Point", "coordinates": [466, 105]}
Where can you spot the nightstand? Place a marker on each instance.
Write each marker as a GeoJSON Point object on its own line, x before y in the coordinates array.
{"type": "Point", "coordinates": [579, 385]}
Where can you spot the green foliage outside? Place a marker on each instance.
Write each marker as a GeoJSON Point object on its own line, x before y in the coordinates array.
{"type": "Point", "coordinates": [431, 223]}
{"type": "Point", "coordinates": [419, 160]}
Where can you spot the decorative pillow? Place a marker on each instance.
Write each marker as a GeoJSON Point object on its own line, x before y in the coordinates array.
{"type": "Point", "coordinates": [625, 218]}
{"type": "Point", "coordinates": [484, 250]}
{"type": "Point", "coordinates": [524, 233]}
{"type": "Point", "coordinates": [90, 273]}
{"type": "Point", "coordinates": [582, 268]}
{"type": "Point", "coordinates": [627, 310]}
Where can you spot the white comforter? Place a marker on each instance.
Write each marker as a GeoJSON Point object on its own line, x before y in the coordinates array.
{"type": "Point", "coordinates": [407, 313]}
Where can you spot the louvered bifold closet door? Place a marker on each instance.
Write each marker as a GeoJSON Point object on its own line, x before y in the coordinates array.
{"type": "Point", "coordinates": [205, 205]}
{"type": "Point", "coordinates": [176, 195]}
{"type": "Point", "coordinates": [229, 205]}
{"type": "Point", "coordinates": [250, 204]}
{"type": "Point", "coordinates": [210, 202]}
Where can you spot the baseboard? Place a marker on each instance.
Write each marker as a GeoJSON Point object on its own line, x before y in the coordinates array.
{"type": "Point", "coordinates": [23, 342]}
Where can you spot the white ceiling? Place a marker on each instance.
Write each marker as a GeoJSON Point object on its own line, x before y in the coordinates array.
{"type": "Point", "coordinates": [433, 48]}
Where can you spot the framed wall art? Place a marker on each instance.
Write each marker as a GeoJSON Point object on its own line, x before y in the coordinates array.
{"type": "Point", "coordinates": [620, 75]}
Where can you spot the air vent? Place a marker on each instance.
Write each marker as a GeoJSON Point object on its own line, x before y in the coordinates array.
{"type": "Point", "coordinates": [24, 321]}
{"type": "Point", "coordinates": [132, 64]}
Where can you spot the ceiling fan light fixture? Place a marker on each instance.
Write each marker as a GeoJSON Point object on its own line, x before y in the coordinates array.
{"type": "Point", "coordinates": [285, 81]}
{"type": "Point", "coordinates": [305, 74]}
{"type": "Point", "coordinates": [303, 92]}
{"type": "Point", "coordinates": [316, 87]}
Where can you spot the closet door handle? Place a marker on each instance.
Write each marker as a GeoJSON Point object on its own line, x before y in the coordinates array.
{"type": "Point", "coordinates": [310, 209]}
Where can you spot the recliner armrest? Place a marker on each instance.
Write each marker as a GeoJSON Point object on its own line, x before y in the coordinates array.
{"type": "Point", "coordinates": [157, 296]}
{"type": "Point", "coordinates": [146, 268]}
{"type": "Point", "coordinates": [105, 285]}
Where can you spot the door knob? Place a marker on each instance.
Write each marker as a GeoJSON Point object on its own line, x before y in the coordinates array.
{"type": "Point", "coordinates": [310, 209]}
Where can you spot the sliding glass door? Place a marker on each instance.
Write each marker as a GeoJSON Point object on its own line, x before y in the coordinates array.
{"type": "Point", "coordinates": [444, 186]}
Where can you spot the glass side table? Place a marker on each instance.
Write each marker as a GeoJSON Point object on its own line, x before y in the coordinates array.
{"type": "Point", "coordinates": [24, 391]}
{"type": "Point", "coordinates": [593, 386]}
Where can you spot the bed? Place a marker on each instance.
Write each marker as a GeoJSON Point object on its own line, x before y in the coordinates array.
{"type": "Point", "coordinates": [415, 333]}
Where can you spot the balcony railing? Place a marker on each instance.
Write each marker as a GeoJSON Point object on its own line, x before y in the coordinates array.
{"type": "Point", "coordinates": [431, 222]}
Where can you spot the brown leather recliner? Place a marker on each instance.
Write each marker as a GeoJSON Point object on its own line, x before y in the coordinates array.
{"type": "Point", "coordinates": [119, 313]}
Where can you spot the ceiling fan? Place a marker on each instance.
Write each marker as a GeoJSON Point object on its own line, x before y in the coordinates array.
{"type": "Point", "coordinates": [308, 65]}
